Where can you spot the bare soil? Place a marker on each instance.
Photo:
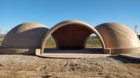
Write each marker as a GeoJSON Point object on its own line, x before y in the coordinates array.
{"type": "Point", "coordinates": [23, 66]}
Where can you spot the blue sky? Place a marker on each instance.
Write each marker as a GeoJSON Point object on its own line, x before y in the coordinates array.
{"type": "Point", "coordinates": [51, 12]}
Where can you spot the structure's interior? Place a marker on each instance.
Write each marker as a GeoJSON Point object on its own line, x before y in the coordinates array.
{"type": "Point", "coordinates": [71, 36]}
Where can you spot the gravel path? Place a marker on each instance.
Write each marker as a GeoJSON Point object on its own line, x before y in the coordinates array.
{"type": "Point", "coordinates": [21, 66]}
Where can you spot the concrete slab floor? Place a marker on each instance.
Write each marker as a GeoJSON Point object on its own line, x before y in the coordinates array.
{"type": "Point", "coordinates": [75, 53]}
{"type": "Point", "coordinates": [72, 55]}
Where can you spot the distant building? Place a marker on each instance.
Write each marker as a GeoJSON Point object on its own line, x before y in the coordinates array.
{"type": "Point", "coordinates": [92, 36]}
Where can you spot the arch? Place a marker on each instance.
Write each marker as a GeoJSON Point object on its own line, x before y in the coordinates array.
{"type": "Point", "coordinates": [68, 24]}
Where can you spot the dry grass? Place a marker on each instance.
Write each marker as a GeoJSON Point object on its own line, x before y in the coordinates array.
{"type": "Point", "coordinates": [22, 66]}
{"type": "Point", "coordinates": [1, 39]}
{"type": "Point", "coordinates": [51, 43]}
{"type": "Point", "coordinates": [90, 43]}
{"type": "Point", "coordinates": [93, 43]}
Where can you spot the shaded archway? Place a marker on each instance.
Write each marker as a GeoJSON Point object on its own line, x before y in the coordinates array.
{"type": "Point", "coordinates": [70, 35]}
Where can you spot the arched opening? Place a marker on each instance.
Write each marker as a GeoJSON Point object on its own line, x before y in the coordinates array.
{"type": "Point", "coordinates": [71, 35]}
{"type": "Point", "coordinates": [50, 45]}
{"type": "Point", "coordinates": [93, 43]}
{"type": "Point", "coordinates": [1, 39]}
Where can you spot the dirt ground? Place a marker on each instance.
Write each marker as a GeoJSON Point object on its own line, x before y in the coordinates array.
{"type": "Point", "coordinates": [23, 66]}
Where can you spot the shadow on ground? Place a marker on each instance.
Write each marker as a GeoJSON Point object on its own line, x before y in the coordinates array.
{"type": "Point", "coordinates": [80, 51]}
{"type": "Point", "coordinates": [125, 60]}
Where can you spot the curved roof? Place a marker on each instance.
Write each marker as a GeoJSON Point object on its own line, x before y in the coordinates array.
{"type": "Point", "coordinates": [117, 36]}
{"type": "Point", "coordinates": [65, 23]}
{"type": "Point", "coordinates": [25, 35]}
